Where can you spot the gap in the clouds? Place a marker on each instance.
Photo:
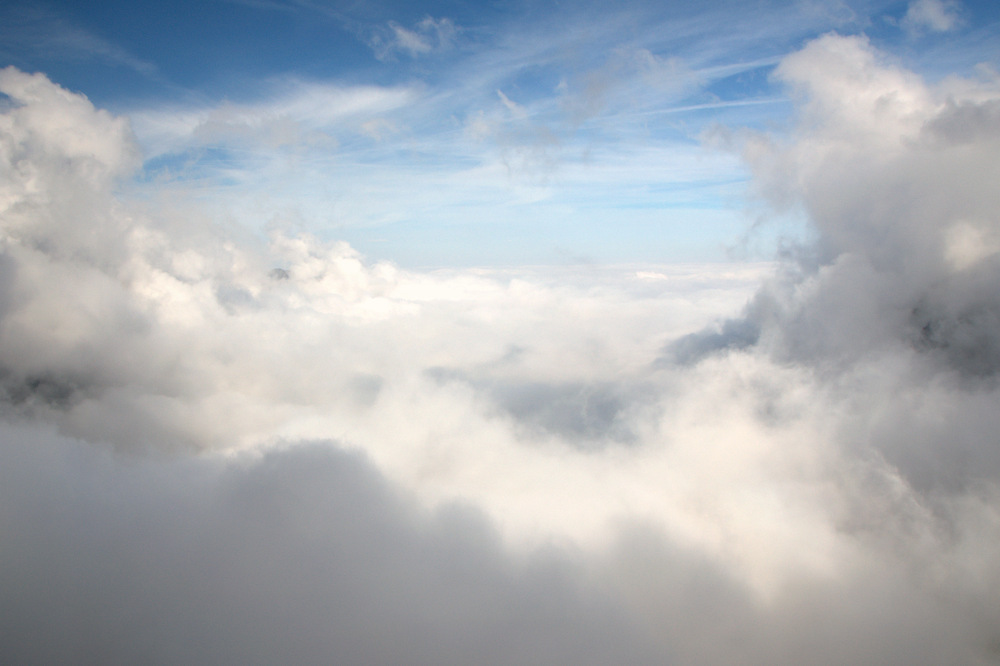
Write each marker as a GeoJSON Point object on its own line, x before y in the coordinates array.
{"type": "Point", "coordinates": [619, 236]}
{"type": "Point", "coordinates": [747, 84]}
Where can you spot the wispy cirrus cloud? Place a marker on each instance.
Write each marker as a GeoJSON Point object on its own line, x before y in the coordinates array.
{"type": "Point", "coordinates": [292, 115]}
{"type": "Point", "coordinates": [424, 37]}
{"type": "Point", "coordinates": [580, 100]}
{"type": "Point", "coordinates": [48, 35]}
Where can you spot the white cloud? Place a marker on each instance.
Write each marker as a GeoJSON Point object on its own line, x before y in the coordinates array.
{"type": "Point", "coordinates": [426, 36]}
{"type": "Point", "coordinates": [515, 109]}
{"type": "Point", "coordinates": [932, 15]}
{"type": "Point", "coordinates": [333, 460]}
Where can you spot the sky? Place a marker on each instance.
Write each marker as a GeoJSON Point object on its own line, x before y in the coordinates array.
{"type": "Point", "coordinates": [469, 133]}
{"type": "Point", "coordinates": [451, 333]}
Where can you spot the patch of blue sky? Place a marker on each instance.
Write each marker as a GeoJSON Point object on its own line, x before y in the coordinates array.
{"type": "Point", "coordinates": [552, 235]}
{"type": "Point", "coordinates": [406, 121]}
{"type": "Point", "coordinates": [208, 165]}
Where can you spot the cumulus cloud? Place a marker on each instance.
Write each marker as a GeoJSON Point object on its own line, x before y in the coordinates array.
{"type": "Point", "coordinates": [896, 192]}
{"type": "Point", "coordinates": [217, 449]}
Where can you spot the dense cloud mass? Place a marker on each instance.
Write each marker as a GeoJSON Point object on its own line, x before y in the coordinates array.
{"type": "Point", "coordinates": [218, 449]}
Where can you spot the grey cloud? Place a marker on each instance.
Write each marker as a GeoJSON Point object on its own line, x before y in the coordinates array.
{"type": "Point", "coordinates": [574, 411]}
{"type": "Point", "coordinates": [732, 334]}
{"type": "Point", "coordinates": [589, 416]}
{"type": "Point", "coordinates": [906, 229]}
{"type": "Point", "coordinates": [905, 290]}
{"type": "Point", "coordinates": [28, 391]}
{"type": "Point", "coordinates": [305, 556]}
{"type": "Point", "coordinates": [963, 122]}
{"type": "Point", "coordinates": [366, 388]}
{"type": "Point", "coordinates": [308, 555]}
{"type": "Point", "coordinates": [962, 331]}
{"type": "Point", "coordinates": [234, 298]}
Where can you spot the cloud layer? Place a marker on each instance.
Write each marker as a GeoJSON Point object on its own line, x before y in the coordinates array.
{"type": "Point", "coordinates": [223, 449]}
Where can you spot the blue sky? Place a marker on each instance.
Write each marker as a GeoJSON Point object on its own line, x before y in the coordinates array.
{"type": "Point", "coordinates": [469, 133]}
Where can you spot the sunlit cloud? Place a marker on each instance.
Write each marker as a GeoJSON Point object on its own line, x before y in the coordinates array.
{"type": "Point", "coordinates": [228, 435]}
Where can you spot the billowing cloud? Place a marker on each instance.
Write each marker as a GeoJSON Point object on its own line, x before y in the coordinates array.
{"type": "Point", "coordinates": [222, 449]}
{"type": "Point", "coordinates": [896, 188]}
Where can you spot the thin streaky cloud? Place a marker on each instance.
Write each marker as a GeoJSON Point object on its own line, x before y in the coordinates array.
{"type": "Point", "coordinates": [49, 35]}
{"type": "Point", "coordinates": [710, 105]}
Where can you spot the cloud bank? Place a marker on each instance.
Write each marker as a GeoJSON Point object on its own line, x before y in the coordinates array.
{"type": "Point", "coordinates": [222, 449]}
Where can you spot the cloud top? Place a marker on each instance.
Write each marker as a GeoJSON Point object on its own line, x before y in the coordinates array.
{"type": "Point", "coordinates": [220, 449]}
